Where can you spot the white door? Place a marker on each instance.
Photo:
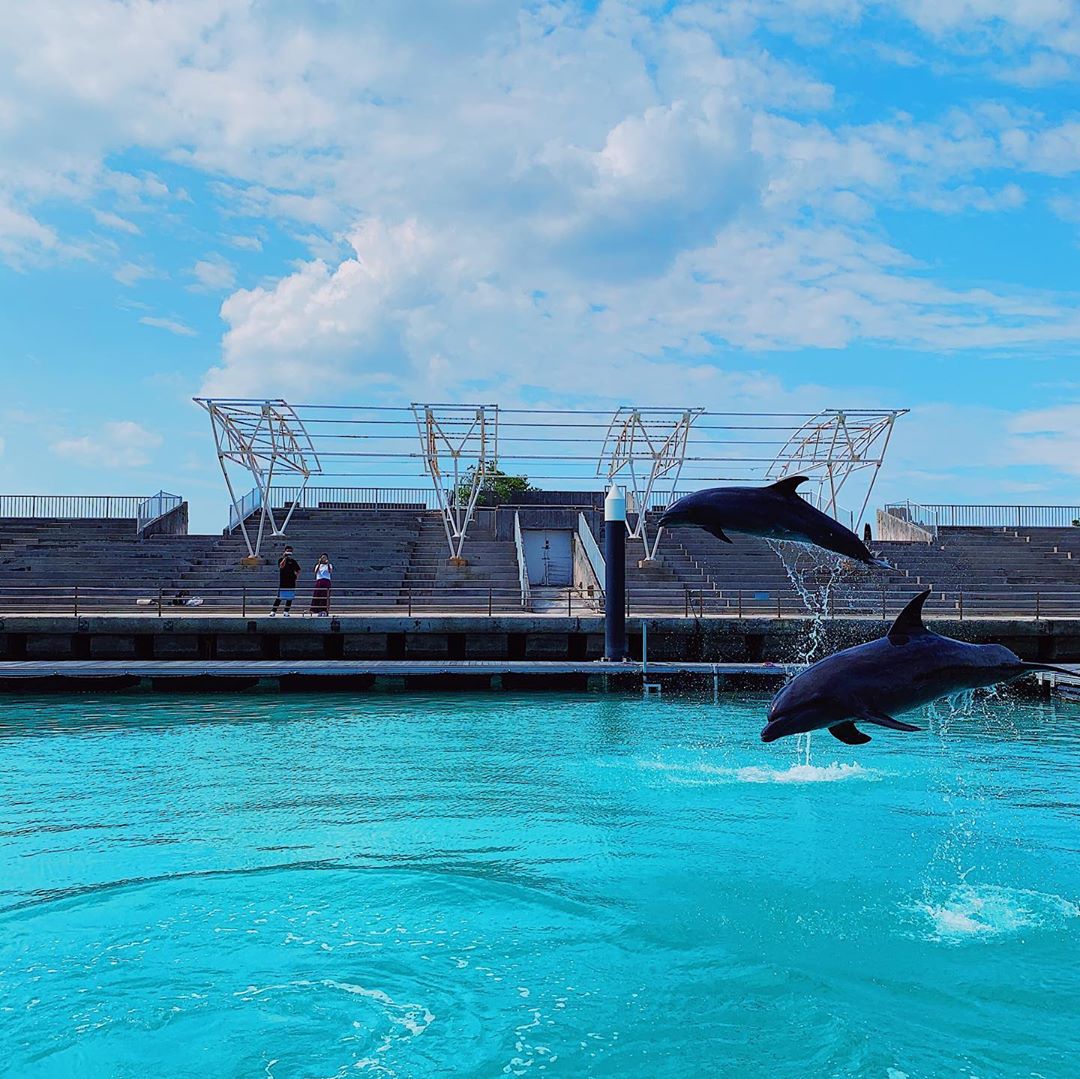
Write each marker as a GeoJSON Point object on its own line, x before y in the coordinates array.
{"type": "Point", "coordinates": [549, 557]}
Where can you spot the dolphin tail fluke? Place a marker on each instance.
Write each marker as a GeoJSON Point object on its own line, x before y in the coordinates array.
{"type": "Point", "coordinates": [849, 734]}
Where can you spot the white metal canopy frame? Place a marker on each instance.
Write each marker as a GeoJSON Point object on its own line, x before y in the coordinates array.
{"type": "Point", "coordinates": [443, 456]}
{"type": "Point", "coordinates": [835, 445]}
{"type": "Point", "coordinates": [645, 448]}
{"type": "Point", "coordinates": [268, 440]}
{"type": "Point", "coordinates": [460, 448]}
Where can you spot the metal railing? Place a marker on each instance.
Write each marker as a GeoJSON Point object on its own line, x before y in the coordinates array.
{"type": "Point", "coordinates": [249, 504]}
{"type": "Point", "coordinates": [523, 568]}
{"type": "Point", "coordinates": [479, 598]}
{"type": "Point", "coordinates": [72, 507]}
{"type": "Point", "coordinates": [405, 498]}
{"type": "Point", "coordinates": [154, 508]}
{"type": "Point", "coordinates": [942, 515]}
{"type": "Point", "coordinates": [387, 498]}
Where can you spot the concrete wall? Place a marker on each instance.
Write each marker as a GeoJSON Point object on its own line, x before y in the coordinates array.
{"type": "Point", "coordinates": [173, 523]}
{"type": "Point", "coordinates": [543, 517]}
{"type": "Point", "coordinates": [584, 577]}
{"type": "Point", "coordinates": [719, 639]}
{"type": "Point", "coordinates": [891, 527]}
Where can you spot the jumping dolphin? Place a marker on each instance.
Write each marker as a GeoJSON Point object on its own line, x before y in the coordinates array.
{"type": "Point", "coordinates": [907, 668]}
{"type": "Point", "coordinates": [774, 512]}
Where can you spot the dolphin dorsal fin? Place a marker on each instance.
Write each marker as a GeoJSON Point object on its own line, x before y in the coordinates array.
{"type": "Point", "coordinates": [909, 621]}
{"type": "Point", "coordinates": [788, 486]}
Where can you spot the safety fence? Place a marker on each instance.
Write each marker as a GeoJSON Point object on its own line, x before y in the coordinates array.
{"type": "Point", "coordinates": [476, 598]}
{"type": "Point", "coordinates": [72, 507]}
{"type": "Point", "coordinates": [283, 498]}
{"type": "Point", "coordinates": [941, 515]}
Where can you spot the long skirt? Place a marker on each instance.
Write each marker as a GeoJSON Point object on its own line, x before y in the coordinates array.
{"type": "Point", "coordinates": [320, 598]}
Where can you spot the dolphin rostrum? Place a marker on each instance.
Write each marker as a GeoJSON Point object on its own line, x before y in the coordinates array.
{"type": "Point", "coordinates": [909, 667]}
{"type": "Point", "coordinates": [774, 512]}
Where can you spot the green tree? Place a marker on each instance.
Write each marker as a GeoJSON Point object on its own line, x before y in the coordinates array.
{"type": "Point", "coordinates": [496, 486]}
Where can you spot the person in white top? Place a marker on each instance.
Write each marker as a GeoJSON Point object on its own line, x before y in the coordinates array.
{"type": "Point", "coordinates": [320, 598]}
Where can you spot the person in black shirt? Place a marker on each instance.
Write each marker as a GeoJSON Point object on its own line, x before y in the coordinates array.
{"type": "Point", "coordinates": [288, 571]}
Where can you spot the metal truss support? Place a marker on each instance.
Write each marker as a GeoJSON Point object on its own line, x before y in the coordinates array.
{"type": "Point", "coordinates": [460, 449]}
{"type": "Point", "coordinates": [268, 440]}
{"type": "Point", "coordinates": [652, 439]}
{"type": "Point", "coordinates": [833, 447]}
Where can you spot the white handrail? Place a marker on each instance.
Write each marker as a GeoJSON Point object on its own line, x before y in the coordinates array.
{"type": "Point", "coordinates": [523, 569]}
{"type": "Point", "coordinates": [592, 551]}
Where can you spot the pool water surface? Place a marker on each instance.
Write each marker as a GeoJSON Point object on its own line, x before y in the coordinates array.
{"type": "Point", "coordinates": [479, 885]}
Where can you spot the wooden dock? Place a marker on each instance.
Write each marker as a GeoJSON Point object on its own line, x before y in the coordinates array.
{"type": "Point", "coordinates": [14, 674]}
{"type": "Point", "coordinates": [1066, 686]}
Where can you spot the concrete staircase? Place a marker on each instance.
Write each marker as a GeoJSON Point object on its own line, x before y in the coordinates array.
{"type": "Point", "coordinates": [491, 573]}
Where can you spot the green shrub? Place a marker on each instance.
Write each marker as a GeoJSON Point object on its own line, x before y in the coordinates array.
{"type": "Point", "coordinates": [497, 487]}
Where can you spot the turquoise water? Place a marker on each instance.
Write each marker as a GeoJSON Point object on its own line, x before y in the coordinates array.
{"type": "Point", "coordinates": [561, 885]}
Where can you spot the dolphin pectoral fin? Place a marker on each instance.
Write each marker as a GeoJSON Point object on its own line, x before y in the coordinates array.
{"type": "Point", "coordinates": [883, 720]}
{"type": "Point", "coordinates": [718, 532]}
{"type": "Point", "coordinates": [849, 734]}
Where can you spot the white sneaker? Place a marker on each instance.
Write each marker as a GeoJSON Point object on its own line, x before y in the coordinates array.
{"type": "Point", "coordinates": [285, 615]}
{"type": "Point", "coordinates": [273, 612]}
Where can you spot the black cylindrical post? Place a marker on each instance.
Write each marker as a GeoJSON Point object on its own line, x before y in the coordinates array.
{"type": "Point", "coordinates": [615, 575]}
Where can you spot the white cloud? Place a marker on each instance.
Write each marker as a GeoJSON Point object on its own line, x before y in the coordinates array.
{"type": "Point", "coordinates": [173, 325]}
{"type": "Point", "coordinates": [131, 273]}
{"type": "Point", "coordinates": [213, 274]}
{"type": "Point", "coordinates": [508, 195]}
{"type": "Point", "coordinates": [23, 239]}
{"type": "Point", "coordinates": [1048, 437]}
{"type": "Point", "coordinates": [410, 293]}
{"type": "Point", "coordinates": [116, 222]}
{"type": "Point", "coordinates": [245, 243]}
{"type": "Point", "coordinates": [118, 444]}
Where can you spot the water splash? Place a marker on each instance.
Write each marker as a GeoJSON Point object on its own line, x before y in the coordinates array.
{"type": "Point", "coordinates": [985, 703]}
{"type": "Point", "coordinates": [703, 774]}
{"type": "Point", "coordinates": [966, 912]}
{"type": "Point", "coordinates": [813, 574]}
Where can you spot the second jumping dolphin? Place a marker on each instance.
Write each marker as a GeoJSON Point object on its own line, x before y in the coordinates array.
{"type": "Point", "coordinates": [909, 667]}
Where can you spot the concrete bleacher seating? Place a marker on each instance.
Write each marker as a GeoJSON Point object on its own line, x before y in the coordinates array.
{"type": "Point", "coordinates": [397, 559]}
{"type": "Point", "coordinates": [979, 570]}
{"type": "Point", "coordinates": [369, 549]}
{"type": "Point", "coordinates": [40, 558]}
{"type": "Point", "coordinates": [383, 558]}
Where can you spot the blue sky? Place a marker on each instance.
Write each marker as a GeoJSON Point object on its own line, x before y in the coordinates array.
{"type": "Point", "coordinates": [753, 204]}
